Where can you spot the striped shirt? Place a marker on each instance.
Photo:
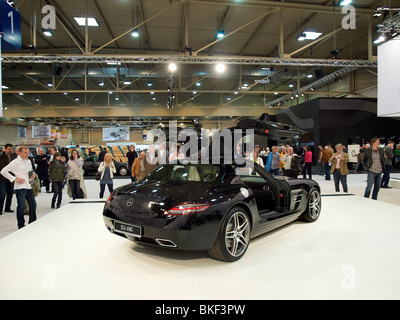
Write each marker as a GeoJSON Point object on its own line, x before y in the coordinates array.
{"type": "Point", "coordinates": [20, 168]}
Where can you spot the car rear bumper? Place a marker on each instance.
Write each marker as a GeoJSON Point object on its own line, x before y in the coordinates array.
{"type": "Point", "coordinates": [200, 237]}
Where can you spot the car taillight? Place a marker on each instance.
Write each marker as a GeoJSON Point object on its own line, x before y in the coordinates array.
{"type": "Point", "coordinates": [187, 208]}
{"type": "Point", "coordinates": [108, 201]}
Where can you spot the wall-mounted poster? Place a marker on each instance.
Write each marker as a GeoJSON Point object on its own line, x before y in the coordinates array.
{"type": "Point", "coordinates": [41, 131]}
{"type": "Point", "coordinates": [116, 134]}
{"type": "Point", "coordinates": [21, 132]}
{"type": "Point", "coordinates": [53, 133]}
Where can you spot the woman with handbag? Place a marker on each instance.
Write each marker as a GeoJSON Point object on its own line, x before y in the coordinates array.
{"type": "Point", "coordinates": [107, 170]}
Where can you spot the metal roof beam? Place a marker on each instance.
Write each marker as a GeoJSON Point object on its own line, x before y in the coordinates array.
{"type": "Point", "coordinates": [165, 59]}
{"type": "Point", "coordinates": [293, 6]}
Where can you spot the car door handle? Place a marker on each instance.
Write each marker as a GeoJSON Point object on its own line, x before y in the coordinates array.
{"type": "Point", "coordinates": [266, 188]}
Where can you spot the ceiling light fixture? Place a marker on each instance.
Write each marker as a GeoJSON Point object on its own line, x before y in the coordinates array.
{"type": "Point", "coordinates": [220, 67]}
{"type": "Point", "coordinates": [47, 32]}
{"type": "Point", "coordinates": [172, 67]}
{"type": "Point", "coordinates": [220, 34]}
{"type": "Point", "coordinates": [380, 39]}
{"type": "Point", "coordinates": [308, 35]}
{"type": "Point", "coordinates": [345, 2]}
{"type": "Point", "coordinates": [92, 22]}
{"type": "Point", "coordinates": [135, 33]}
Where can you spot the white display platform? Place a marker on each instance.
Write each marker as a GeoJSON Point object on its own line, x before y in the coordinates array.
{"type": "Point", "coordinates": [351, 252]}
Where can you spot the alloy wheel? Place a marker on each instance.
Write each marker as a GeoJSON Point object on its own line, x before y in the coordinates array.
{"type": "Point", "coordinates": [237, 234]}
{"type": "Point", "coordinates": [314, 204]}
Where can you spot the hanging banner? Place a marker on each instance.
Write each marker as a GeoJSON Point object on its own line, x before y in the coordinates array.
{"type": "Point", "coordinates": [116, 134]}
{"type": "Point", "coordinates": [53, 133]}
{"type": "Point", "coordinates": [64, 134]}
{"type": "Point", "coordinates": [41, 131]}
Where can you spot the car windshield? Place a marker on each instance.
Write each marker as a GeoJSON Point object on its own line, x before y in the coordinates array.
{"type": "Point", "coordinates": [187, 172]}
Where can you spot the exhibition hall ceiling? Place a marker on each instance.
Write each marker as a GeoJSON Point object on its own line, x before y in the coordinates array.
{"type": "Point", "coordinates": [118, 69]}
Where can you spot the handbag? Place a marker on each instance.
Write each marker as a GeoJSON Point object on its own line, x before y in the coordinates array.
{"type": "Point", "coordinates": [98, 176]}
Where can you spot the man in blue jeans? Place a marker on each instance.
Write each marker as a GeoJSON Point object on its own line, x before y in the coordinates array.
{"type": "Point", "coordinates": [6, 187]}
{"type": "Point", "coordinates": [374, 163]}
{"type": "Point", "coordinates": [22, 170]}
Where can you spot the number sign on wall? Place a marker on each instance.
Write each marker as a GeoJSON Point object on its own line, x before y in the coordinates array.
{"type": "Point", "coordinates": [10, 27]}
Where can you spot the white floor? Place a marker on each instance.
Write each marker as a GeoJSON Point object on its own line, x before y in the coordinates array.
{"type": "Point", "coordinates": [351, 252]}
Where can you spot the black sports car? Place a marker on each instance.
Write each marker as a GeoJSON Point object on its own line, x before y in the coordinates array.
{"type": "Point", "coordinates": [91, 164]}
{"type": "Point", "coordinates": [213, 207]}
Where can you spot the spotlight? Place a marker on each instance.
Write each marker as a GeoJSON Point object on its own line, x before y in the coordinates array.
{"type": "Point", "coordinates": [172, 67]}
{"type": "Point", "coordinates": [47, 32]}
{"type": "Point", "coordinates": [220, 67]}
{"type": "Point", "coordinates": [377, 14]}
{"type": "Point", "coordinates": [149, 84]}
{"type": "Point", "coordinates": [335, 53]}
{"type": "Point", "coordinates": [220, 34]}
{"type": "Point", "coordinates": [135, 33]}
{"type": "Point", "coordinates": [380, 39]}
{"type": "Point", "coordinates": [188, 49]}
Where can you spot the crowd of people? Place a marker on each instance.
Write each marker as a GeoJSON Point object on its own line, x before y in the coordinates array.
{"type": "Point", "coordinates": [376, 161]}
{"type": "Point", "coordinates": [26, 175]}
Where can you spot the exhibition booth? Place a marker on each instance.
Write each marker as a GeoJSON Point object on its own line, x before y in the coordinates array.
{"type": "Point", "coordinates": [350, 252]}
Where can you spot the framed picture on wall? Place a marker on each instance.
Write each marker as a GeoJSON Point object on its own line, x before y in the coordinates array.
{"type": "Point", "coordinates": [21, 132]}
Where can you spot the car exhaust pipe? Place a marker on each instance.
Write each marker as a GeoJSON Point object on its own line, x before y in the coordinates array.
{"type": "Point", "coordinates": [166, 243]}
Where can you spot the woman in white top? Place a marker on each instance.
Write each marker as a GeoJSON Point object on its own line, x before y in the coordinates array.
{"type": "Point", "coordinates": [75, 183]}
{"type": "Point", "coordinates": [107, 169]}
{"type": "Point", "coordinates": [176, 154]}
{"type": "Point", "coordinates": [257, 158]}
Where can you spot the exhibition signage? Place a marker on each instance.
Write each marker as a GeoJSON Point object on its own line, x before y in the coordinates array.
{"type": "Point", "coordinates": [10, 27]}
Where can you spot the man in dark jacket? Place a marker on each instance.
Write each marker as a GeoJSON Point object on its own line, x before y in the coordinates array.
{"type": "Point", "coordinates": [42, 169]}
{"type": "Point", "coordinates": [374, 163]}
{"type": "Point", "coordinates": [6, 187]}
{"type": "Point", "coordinates": [389, 155]}
{"type": "Point", "coordinates": [131, 155]}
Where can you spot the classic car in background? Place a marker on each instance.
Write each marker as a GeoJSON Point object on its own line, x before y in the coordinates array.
{"type": "Point", "coordinates": [91, 164]}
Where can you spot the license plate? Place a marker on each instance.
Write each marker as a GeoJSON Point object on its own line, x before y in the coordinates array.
{"type": "Point", "coordinates": [128, 229]}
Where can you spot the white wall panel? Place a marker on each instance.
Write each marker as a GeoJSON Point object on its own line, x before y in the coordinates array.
{"type": "Point", "coordinates": [389, 78]}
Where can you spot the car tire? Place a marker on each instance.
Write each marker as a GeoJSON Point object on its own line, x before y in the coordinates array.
{"type": "Point", "coordinates": [313, 209]}
{"type": "Point", "coordinates": [233, 237]}
{"type": "Point", "coordinates": [123, 171]}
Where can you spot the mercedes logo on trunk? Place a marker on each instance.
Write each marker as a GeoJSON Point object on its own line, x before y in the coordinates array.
{"type": "Point", "coordinates": [129, 202]}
